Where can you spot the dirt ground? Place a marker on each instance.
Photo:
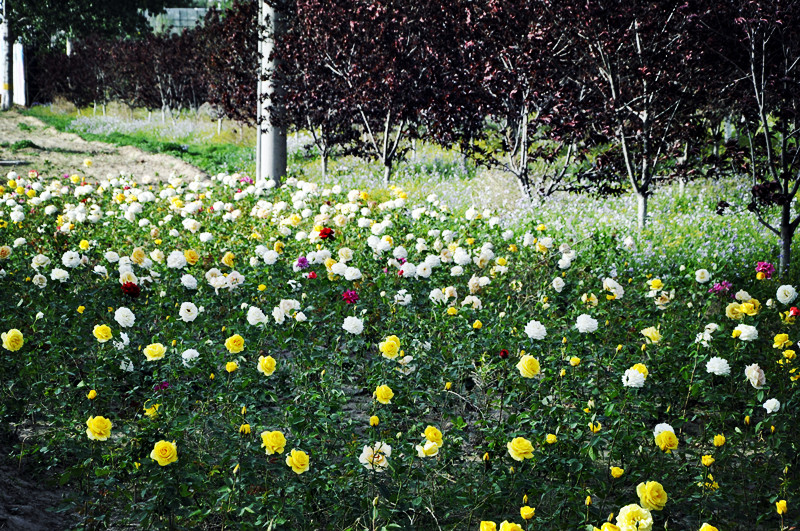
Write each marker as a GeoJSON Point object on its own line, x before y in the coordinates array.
{"type": "Point", "coordinates": [28, 501]}
{"type": "Point", "coordinates": [55, 153]}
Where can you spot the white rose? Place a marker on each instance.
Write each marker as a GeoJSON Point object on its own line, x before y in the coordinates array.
{"type": "Point", "coordinates": [633, 378]}
{"type": "Point", "coordinates": [786, 294]}
{"type": "Point", "coordinates": [188, 312]}
{"type": "Point", "coordinates": [535, 330]}
{"type": "Point", "coordinates": [702, 276]}
{"type": "Point", "coordinates": [585, 324]}
{"type": "Point", "coordinates": [718, 366]}
{"type": "Point", "coordinates": [189, 282]}
{"type": "Point", "coordinates": [558, 284]}
{"type": "Point", "coordinates": [59, 274]}
{"type": "Point", "coordinates": [124, 317]}
{"type": "Point", "coordinates": [772, 405]}
{"type": "Point", "coordinates": [354, 325]}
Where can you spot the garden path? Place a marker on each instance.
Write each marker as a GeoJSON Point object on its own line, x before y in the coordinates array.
{"type": "Point", "coordinates": [47, 150]}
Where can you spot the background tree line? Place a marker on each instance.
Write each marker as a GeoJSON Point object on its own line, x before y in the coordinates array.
{"type": "Point", "coordinates": [596, 95]}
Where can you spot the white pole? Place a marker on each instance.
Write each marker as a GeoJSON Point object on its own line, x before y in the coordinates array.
{"type": "Point", "coordinates": [6, 73]}
{"type": "Point", "coordinates": [270, 141]}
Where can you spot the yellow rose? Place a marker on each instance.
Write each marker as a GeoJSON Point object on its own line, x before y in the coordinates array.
{"type": "Point", "coordinates": [707, 460]}
{"type": "Point", "coordinates": [640, 367]}
{"type": "Point", "coordinates": [429, 450]}
{"type": "Point", "coordinates": [273, 441]}
{"type": "Point", "coordinates": [244, 429]}
{"type": "Point", "coordinates": [266, 365]}
{"type": "Point", "coordinates": [595, 427]}
{"type": "Point", "coordinates": [528, 366]}
{"type": "Point", "coordinates": [780, 506]}
{"type": "Point", "coordinates": [234, 344]}
{"type": "Point", "coordinates": [634, 517]}
{"type": "Point", "coordinates": [84, 245]}
{"type": "Point", "coordinates": [99, 428]}
{"type": "Point", "coordinates": [433, 435]}
{"type": "Point", "coordinates": [551, 438]}
{"type": "Point", "coordinates": [608, 526]}
{"type": "Point", "coordinates": [278, 248]}
{"type": "Point", "coordinates": [102, 333]}
{"type": "Point", "coordinates": [154, 351]}
{"type": "Point", "coordinates": [5, 252]}
{"type": "Point", "coordinates": [719, 440]}
{"type": "Point", "coordinates": [262, 287]}
{"type": "Point", "coordinates": [390, 347]}
{"type": "Point", "coordinates": [138, 256]}
{"type": "Point", "coordinates": [92, 395]}
{"type": "Point", "coordinates": [452, 310]}
{"type": "Point", "coordinates": [298, 460]}
{"type": "Point", "coordinates": [527, 512]}
{"type": "Point", "coordinates": [164, 452]}
{"type": "Point", "coordinates": [667, 441]}
{"type": "Point", "coordinates": [520, 448]}
{"type": "Point", "coordinates": [151, 411]}
{"type": "Point", "coordinates": [734, 311]}
{"type": "Point", "coordinates": [488, 525]}
{"type": "Point", "coordinates": [652, 334]}
{"type": "Point", "coordinates": [748, 308]}
{"type": "Point", "coordinates": [616, 472]}
{"type": "Point", "coordinates": [383, 394]}
{"type": "Point", "coordinates": [191, 256]}
{"type": "Point", "coordinates": [81, 309]}
{"type": "Point", "coordinates": [708, 527]}
{"type": "Point", "coordinates": [574, 361]}
{"type": "Point", "coordinates": [510, 526]}
{"type": "Point", "coordinates": [231, 366]}
{"type": "Point", "coordinates": [781, 341]}
{"type": "Point", "coordinates": [12, 340]}
{"type": "Point", "coordinates": [477, 325]}
{"type": "Point", "coordinates": [655, 284]}
{"type": "Point", "coordinates": [228, 259]}
{"type": "Point", "coordinates": [374, 420]}
{"type": "Point", "coordinates": [651, 495]}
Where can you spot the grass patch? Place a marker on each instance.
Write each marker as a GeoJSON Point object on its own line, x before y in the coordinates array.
{"type": "Point", "coordinates": [23, 144]}
{"type": "Point", "coordinates": [207, 154]}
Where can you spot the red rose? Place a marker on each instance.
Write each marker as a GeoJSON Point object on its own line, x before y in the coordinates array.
{"type": "Point", "coordinates": [793, 311]}
{"type": "Point", "coordinates": [130, 289]}
{"type": "Point", "coordinates": [326, 233]}
{"type": "Point", "coordinates": [503, 354]}
{"type": "Point", "coordinates": [312, 275]}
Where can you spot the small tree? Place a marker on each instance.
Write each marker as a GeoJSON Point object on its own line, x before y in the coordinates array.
{"type": "Point", "coordinates": [377, 51]}
{"type": "Point", "coordinates": [759, 47]}
{"type": "Point", "coordinates": [640, 68]}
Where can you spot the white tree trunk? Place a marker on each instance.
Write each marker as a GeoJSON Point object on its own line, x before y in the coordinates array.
{"type": "Point", "coordinates": [641, 207]}
{"type": "Point", "coordinates": [6, 65]}
{"type": "Point", "coordinates": [270, 141]}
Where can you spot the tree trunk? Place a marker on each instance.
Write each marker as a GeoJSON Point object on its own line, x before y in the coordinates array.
{"type": "Point", "coordinates": [387, 171]}
{"type": "Point", "coordinates": [641, 207]}
{"type": "Point", "coordinates": [324, 160]}
{"type": "Point", "coordinates": [6, 63]}
{"type": "Point", "coordinates": [787, 233]}
{"type": "Point", "coordinates": [270, 139]}
{"type": "Point", "coordinates": [681, 186]}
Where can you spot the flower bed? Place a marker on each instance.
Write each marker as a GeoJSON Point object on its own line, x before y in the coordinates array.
{"type": "Point", "coordinates": [212, 353]}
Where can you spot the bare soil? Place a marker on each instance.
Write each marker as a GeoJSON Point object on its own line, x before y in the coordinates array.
{"type": "Point", "coordinates": [53, 152]}
{"type": "Point", "coordinates": [29, 501]}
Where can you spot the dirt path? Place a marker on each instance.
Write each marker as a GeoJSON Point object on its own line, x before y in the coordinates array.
{"type": "Point", "coordinates": [52, 152]}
